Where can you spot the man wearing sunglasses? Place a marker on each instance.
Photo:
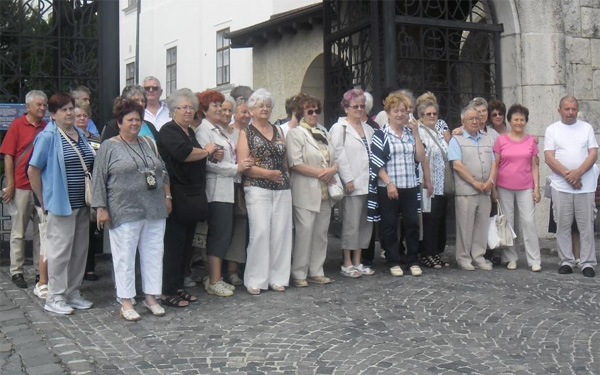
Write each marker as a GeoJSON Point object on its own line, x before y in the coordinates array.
{"type": "Point", "coordinates": [156, 110]}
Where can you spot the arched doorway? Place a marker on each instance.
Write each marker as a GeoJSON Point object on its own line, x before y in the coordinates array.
{"type": "Point", "coordinates": [312, 83]}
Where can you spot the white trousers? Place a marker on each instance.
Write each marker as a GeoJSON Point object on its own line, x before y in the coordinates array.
{"type": "Point", "coordinates": [270, 247]}
{"type": "Point", "coordinates": [23, 200]}
{"type": "Point", "coordinates": [310, 241]}
{"type": "Point", "coordinates": [581, 208]}
{"type": "Point", "coordinates": [523, 199]}
{"type": "Point", "coordinates": [147, 236]}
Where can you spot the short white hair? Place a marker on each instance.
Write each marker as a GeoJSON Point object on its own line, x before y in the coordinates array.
{"type": "Point", "coordinates": [174, 99]}
{"type": "Point", "coordinates": [150, 78]}
{"type": "Point", "coordinates": [368, 102]}
{"type": "Point", "coordinates": [31, 95]}
{"type": "Point", "coordinates": [260, 96]}
{"type": "Point", "coordinates": [229, 99]}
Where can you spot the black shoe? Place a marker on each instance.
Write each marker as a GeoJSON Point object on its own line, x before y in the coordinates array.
{"type": "Point", "coordinates": [90, 276]}
{"type": "Point", "coordinates": [588, 272]}
{"type": "Point", "coordinates": [19, 280]}
{"type": "Point", "coordinates": [566, 269]}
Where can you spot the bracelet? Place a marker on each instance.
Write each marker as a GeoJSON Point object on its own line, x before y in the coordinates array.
{"type": "Point", "coordinates": [493, 182]}
{"type": "Point", "coordinates": [389, 182]}
{"type": "Point", "coordinates": [169, 197]}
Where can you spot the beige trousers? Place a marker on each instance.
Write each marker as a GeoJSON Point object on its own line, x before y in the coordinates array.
{"type": "Point", "coordinates": [472, 220]}
{"type": "Point", "coordinates": [23, 199]}
{"type": "Point", "coordinates": [310, 241]}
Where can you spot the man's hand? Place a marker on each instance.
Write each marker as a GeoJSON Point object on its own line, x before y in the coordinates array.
{"type": "Point", "coordinates": [8, 194]}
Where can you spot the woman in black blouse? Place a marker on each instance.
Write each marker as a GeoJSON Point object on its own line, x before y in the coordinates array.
{"type": "Point", "coordinates": [186, 163]}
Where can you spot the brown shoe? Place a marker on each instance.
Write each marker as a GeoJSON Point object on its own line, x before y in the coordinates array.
{"type": "Point", "coordinates": [320, 280]}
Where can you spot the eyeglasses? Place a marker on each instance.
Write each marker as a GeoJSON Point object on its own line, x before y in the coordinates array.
{"type": "Point", "coordinates": [431, 114]}
{"type": "Point", "coordinates": [357, 106]}
{"type": "Point", "coordinates": [495, 114]}
{"type": "Point", "coordinates": [186, 108]}
{"type": "Point", "coordinates": [311, 112]}
{"type": "Point", "coordinates": [151, 88]}
{"type": "Point", "coordinates": [472, 119]}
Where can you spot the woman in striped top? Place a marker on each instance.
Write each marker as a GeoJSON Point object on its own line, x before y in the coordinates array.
{"type": "Point", "coordinates": [57, 171]}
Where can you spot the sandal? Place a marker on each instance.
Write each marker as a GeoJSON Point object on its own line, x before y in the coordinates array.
{"type": "Point", "coordinates": [129, 315]}
{"type": "Point", "coordinates": [438, 260]}
{"type": "Point", "coordinates": [429, 262]}
{"type": "Point", "coordinates": [174, 301]}
{"type": "Point", "coordinates": [41, 290]}
{"type": "Point", "coordinates": [184, 294]}
{"type": "Point", "coordinates": [156, 309]}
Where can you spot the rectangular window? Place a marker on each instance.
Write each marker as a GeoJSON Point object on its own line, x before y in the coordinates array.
{"type": "Point", "coordinates": [223, 49]}
{"type": "Point", "coordinates": [171, 83]}
{"type": "Point", "coordinates": [132, 3]}
{"type": "Point", "coordinates": [130, 74]}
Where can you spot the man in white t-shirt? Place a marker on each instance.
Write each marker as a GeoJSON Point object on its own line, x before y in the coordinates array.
{"type": "Point", "coordinates": [570, 149]}
{"type": "Point", "coordinates": [156, 111]}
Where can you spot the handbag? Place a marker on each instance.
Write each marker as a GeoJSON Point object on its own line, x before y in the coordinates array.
{"type": "Point", "coordinates": [86, 172]}
{"type": "Point", "coordinates": [449, 189]}
{"type": "Point", "coordinates": [500, 233]}
{"type": "Point", "coordinates": [336, 190]}
{"type": "Point", "coordinates": [239, 204]}
{"type": "Point", "coordinates": [189, 203]}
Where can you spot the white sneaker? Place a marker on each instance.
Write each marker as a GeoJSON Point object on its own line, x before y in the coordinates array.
{"type": "Point", "coordinates": [350, 271]}
{"type": "Point", "coordinates": [396, 271]}
{"type": "Point", "coordinates": [511, 266]}
{"type": "Point", "coordinates": [235, 280]}
{"type": "Point", "coordinates": [58, 306]}
{"type": "Point", "coordinates": [364, 270]}
{"type": "Point", "coordinates": [217, 289]}
{"type": "Point", "coordinates": [188, 282]}
{"type": "Point", "coordinates": [536, 268]}
{"type": "Point", "coordinates": [79, 303]}
{"type": "Point", "coordinates": [416, 270]}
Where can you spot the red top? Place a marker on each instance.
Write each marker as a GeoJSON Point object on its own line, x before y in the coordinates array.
{"type": "Point", "coordinates": [20, 135]}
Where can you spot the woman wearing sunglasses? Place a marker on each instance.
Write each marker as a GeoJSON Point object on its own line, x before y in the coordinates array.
{"type": "Point", "coordinates": [312, 162]}
{"type": "Point", "coordinates": [351, 139]}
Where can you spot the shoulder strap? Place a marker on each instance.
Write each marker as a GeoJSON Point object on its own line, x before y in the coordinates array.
{"type": "Point", "coordinates": [85, 170]}
{"type": "Point", "coordinates": [429, 132]}
{"type": "Point", "coordinates": [29, 146]}
{"type": "Point", "coordinates": [344, 142]}
{"type": "Point", "coordinates": [151, 144]}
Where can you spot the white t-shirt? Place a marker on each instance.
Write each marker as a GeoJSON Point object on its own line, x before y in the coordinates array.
{"type": "Point", "coordinates": [161, 118]}
{"type": "Point", "coordinates": [570, 144]}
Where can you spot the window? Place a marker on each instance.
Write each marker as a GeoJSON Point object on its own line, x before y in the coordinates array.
{"type": "Point", "coordinates": [132, 3]}
{"type": "Point", "coordinates": [171, 83]}
{"type": "Point", "coordinates": [130, 74]}
{"type": "Point", "coordinates": [223, 47]}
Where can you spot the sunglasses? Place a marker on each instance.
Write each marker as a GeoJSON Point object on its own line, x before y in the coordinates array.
{"type": "Point", "coordinates": [431, 114]}
{"type": "Point", "coordinates": [311, 112]}
{"type": "Point", "coordinates": [357, 106]}
{"type": "Point", "coordinates": [151, 88]}
{"type": "Point", "coordinates": [497, 115]}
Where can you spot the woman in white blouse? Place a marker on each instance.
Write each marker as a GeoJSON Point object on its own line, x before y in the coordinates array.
{"type": "Point", "coordinates": [351, 139]}
{"type": "Point", "coordinates": [221, 172]}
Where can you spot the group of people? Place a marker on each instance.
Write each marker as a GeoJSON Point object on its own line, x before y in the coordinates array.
{"type": "Point", "coordinates": [266, 191]}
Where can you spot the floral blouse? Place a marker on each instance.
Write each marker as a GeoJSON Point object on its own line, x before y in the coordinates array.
{"type": "Point", "coordinates": [267, 154]}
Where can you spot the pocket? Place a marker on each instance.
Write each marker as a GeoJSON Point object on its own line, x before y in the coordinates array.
{"type": "Point", "coordinates": [190, 203]}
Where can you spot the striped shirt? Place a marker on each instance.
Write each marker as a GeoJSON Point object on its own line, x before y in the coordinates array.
{"type": "Point", "coordinates": [74, 170]}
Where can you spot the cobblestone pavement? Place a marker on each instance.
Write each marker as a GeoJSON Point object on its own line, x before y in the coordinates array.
{"type": "Point", "coordinates": [446, 322]}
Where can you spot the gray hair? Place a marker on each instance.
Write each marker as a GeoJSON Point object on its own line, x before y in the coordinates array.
{"type": "Point", "coordinates": [174, 99]}
{"type": "Point", "coordinates": [241, 91]}
{"type": "Point", "coordinates": [130, 91]}
{"type": "Point", "coordinates": [77, 91]}
{"type": "Point", "coordinates": [409, 94]}
{"type": "Point", "coordinates": [368, 102]}
{"type": "Point", "coordinates": [469, 107]}
{"type": "Point", "coordinates": [260, 96]}
{"type": "Point", "coordinates": [229, 99]}
{"type": "Point", "coordinates": [151, 78]}
{"type": "Point", "coordinates": [31, 95]}
{"type": "Point", "coordinates": [240, 101]}
{"type": "Point", "coordinates": [479, 101]}
{"type": "Point", "coordinates": [424, 105]}
{"type": "Point", "coordinates": [83, 106]}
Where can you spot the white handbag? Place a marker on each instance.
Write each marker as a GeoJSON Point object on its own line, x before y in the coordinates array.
{"type": "Point", "coordinates": [336, 190]}
{"type": "Point", "coordinates": [500, 233]}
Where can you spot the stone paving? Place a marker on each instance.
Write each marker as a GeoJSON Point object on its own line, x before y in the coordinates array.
{"type": "Point", "coordinates": [446, 322]}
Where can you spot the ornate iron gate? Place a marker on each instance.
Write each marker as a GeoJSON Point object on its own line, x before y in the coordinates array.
{"type": "Point", "coordinates": [448, 47]}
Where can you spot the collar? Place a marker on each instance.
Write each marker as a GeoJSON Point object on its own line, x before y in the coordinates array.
{"type": "Point", "coordinates": [476, 137]}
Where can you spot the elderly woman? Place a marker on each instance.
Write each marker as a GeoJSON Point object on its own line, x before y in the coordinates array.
{"type": "Point", "coordinates": [236, 254]}
{"type": "Point", "coordinates": [130, 191]}
{"type": "Point", "coordinates": [396, 150]}
{"type": "Point", "coordinates": [497, 111]}
{"type": "Point", "coordinates": [220, 178]}
{"type": "Point", "coordinates": [186, 163]}
{"type": "Point", "coordinates": [138, 95]}
{"type": "Point", "coordinates": [58, 167]}
{"type": "Point", "coordinates": [518, 185]}
{"type": "Point", "coordinates": [227, 110]}
{"type": "Point", "coordinates": [436, 152]}
{"type": "Point", "coordinates": [351, 139]}
{"type": "Point", "coordinates": [268, 199]}
{"type": "Point", "coordinates": [312, 161]}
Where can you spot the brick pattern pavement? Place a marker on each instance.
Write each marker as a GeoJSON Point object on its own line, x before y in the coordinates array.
{"type": "Point", "coordinates": [448, 321]}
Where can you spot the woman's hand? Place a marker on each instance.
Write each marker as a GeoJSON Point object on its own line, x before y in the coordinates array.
{"type": "Point", "coordinates": [326, 174]}
{"type": "Point", "coordinates": [536, 195]}
{"type": "Point", "coordinates": [245, 164]}
{"type": "Point", "coordinates": [211, 148]}
{"type": "Point", "coordinates": [275, 176]}
{"type": "Point", "coordinates": [429, 187]}
{"type": "Point", "coordinates": [349, 187]}
{"type": "Point", "coordinates": [102, 217]}
{"type": "Point", "coordinates": [458, 131]}
{"type": "Point", "coordinates": [169, 204]}
{"type": "Point", "coordinates": [392, 191]}
{"type": "Point", "coordinates": [495, 195]}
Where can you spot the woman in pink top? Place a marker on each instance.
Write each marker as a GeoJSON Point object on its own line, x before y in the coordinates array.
{"type": "Point", "coordinates": [518, 184]}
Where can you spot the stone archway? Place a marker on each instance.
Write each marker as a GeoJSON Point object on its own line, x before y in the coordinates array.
{"type": "Point", "coordinates": [313, 81]}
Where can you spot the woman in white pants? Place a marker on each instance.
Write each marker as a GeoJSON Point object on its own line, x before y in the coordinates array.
{"type": "Point", "coordinates": [518, 185]}
{"type": "Point", "coordinates": [268, 199]}
{"type": "Point", "coordinates": [132, 195]}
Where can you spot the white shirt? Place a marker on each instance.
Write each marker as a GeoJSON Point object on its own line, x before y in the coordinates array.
{"type": "Point", "coordinates": [570, 144]}
{"type": "Point", "coordinates": [161, 118]}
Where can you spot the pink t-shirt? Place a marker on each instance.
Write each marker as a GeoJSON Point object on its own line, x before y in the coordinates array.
{"type": "Point", "coordinates": [514, 171]}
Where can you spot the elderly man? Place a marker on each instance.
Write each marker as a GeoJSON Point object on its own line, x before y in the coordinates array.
{"type": "Point", "coordinates": [570, 149]}
{"type": "Point", "coordinates": [156, 111]}
{"type": "Point", "coordinates": [474, 174]}
{"type": "Point", "coordinates": [83, 94]}
{"type": "Point", "coordinates": [16, 148]}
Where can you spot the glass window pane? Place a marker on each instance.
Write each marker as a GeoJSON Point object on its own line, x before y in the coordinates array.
{"type": "Point", "coordinates": [226, 57]}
